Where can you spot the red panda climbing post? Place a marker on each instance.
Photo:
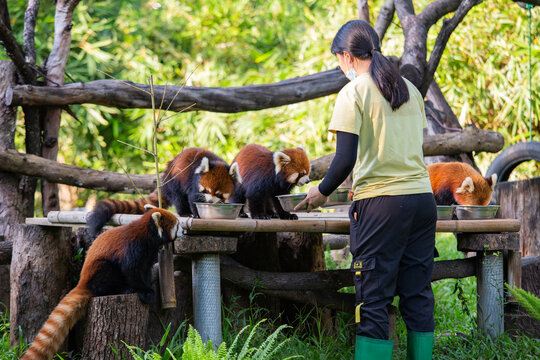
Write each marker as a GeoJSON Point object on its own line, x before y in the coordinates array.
{"type": "Point", "coordinates": [118, 262]}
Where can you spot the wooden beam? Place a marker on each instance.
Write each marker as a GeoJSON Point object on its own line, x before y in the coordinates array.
{"type": "Point", "coordinates": [124, 94]}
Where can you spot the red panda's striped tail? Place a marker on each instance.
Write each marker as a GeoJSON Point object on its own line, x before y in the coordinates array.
{"type": "Point", "coordinates": [56, 328]}
{"type": "Point", "coordinates": [105, 209]}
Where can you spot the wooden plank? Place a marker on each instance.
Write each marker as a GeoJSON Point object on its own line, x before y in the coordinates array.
{"type": "Point", "coordinates": [485, 242]}
{"type": "Point", "coordinates": [519, 200]}
{"type": "Point", "coordinates": [188, 245]}
{"type": "Point", "coordinates": [513, 270]}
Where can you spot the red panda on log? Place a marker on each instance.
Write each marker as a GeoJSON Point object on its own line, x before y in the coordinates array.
{"type": "Point", "coordinates": [118, 262]}
{"type": "Point", "coordinates": [459, 183]}
{"type": "Point", "coordinates": [266, 174]}
{"type": "Point", "coordinates": [194, 175]}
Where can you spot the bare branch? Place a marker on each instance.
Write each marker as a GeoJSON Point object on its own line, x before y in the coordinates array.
{"type": "Point", "coordinates": [136, 147]}
{"type": "Point", "coordinates": [218, 99]}
{"type": "Point", "coordinates": [436, 10]}
{"type": "Point", "coordinates": [386, 15]}
{"type": "Point", "coordinates": [363, 10]}
{"type": "Point", "coordinates": [13, 50]}
{"type": "Point", "coordinates": [442, 39]}
{"type": "Point", "coordinates": [4, 14]}
{"type": "Point", "coordinates": [29, 27]}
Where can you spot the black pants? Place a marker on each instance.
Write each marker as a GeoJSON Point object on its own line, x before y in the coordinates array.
{"type": "Point", "coordinates": [392, 243]}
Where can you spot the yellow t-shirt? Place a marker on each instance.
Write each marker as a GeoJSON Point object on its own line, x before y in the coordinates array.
{"type": "Point", "coordinates": [390, 157]}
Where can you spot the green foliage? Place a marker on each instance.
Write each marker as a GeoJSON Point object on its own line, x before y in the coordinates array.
{"type": "Point", "coordinates": [483, 72]}
{"type": "Point", "coordinates": [530, 302]}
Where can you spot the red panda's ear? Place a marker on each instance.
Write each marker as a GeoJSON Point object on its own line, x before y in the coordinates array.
{"type": "Point", "coordinates": [492, 181]}
{"type": "Point", "coordinates": [157, 220]}
{"type": "Point", "coordinates": [204, 166]}
{"type": "Point", "coordinates": [467, 186]}
{"type": "Point", "coordinates": [234, 171]}
{"type": "Point", "coordinates": [280, 160]}
{"type": "Point", "coordinates": [148, 207]}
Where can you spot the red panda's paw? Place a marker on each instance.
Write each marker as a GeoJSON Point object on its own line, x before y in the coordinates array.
{"type": "Point", "coordinates": [289, 216]}
{"type": "Point", "coordinates": [243, 215]}
{"type": "Point", "coordinates": [260, 217]}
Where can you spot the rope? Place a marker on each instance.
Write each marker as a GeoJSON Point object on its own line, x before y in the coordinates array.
{"type": "Point", "coordinates": [529, 7]}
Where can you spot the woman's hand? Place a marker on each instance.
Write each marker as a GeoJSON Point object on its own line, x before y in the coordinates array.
{"type": "Point", "coordinates": [314, 199]}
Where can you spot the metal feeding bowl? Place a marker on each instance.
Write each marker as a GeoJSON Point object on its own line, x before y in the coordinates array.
{"type": "Point", "coordinates": [471, 212]}
{"type": "Point", "coordinates": [445, 212]}
{"type": "Point", "coordinates": [340, 196]}
{"type": "Point", "coordinates": [289, 201]}
{"type": "Point", "coordinates": [218, 210]}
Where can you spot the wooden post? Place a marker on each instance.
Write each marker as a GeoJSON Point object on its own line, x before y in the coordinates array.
{"type": "Point", "coordinates": [40, 276]}
{"type": "Point", "coordinates": [110, 321]}
{"type": "Point", "coordinates": [513, 270]}
{"type": "Point", "coordinates": [489, 276]}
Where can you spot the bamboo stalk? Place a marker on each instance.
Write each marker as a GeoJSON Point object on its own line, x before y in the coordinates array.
{"type": "Point", "coordinates": [338, 226]}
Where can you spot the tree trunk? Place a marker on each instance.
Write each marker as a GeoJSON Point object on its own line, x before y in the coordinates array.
{"type": "Point", "coordinates": [11, 200]}
{"type": "Point", "coordinates": [110, 321]}
{"type": "Point", "coordinates": [41, 271]}
{"type": "Point", "coordinates": [55, 67]}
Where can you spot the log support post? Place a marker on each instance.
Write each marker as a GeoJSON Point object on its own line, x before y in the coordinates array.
{"type": "Point", "coordinates": [206, 286]}
{"type": "Point", "coordinates": [112, 321]}
{"type": "Point", "coordinates": [489, 276]}
{"type": "Point", "coordinates": [40, 276]}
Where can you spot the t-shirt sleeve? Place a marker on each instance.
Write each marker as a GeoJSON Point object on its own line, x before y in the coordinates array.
{"type": "Point", "coordinates": [347, 116]}
{"type": "Point", "coordinates": [423, 110]}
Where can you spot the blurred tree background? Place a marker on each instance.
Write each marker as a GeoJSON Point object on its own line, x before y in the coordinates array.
{"type": "Point", "coordinates": [484, 72]}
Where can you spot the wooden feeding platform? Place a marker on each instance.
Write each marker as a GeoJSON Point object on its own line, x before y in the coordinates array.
{"type": "Point", "coordinates": [205, 239]}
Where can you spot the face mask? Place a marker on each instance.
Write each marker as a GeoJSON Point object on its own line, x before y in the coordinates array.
{"type": "Point", "coordinates": [351, 74]}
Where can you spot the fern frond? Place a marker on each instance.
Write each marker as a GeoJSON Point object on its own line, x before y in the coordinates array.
{"type": "Point", "coordinates": [528, 301]}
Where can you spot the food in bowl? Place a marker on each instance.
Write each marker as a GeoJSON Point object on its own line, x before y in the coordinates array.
{"type": "Point", "coordinates": [218, 210]}
{"type": "Point", "coordinates": [289, 201]}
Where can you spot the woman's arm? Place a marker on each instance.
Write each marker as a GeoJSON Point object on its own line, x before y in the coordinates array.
{"type": "Point", "coordinates": [341, 166]}
{"type": "Point", "coordinates": [343, 163]}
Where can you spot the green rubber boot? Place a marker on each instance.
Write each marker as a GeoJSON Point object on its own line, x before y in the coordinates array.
{"type": "Point", "coordinates": [372, 349]}
{"type": "Point", "coordinates": [419, 345]}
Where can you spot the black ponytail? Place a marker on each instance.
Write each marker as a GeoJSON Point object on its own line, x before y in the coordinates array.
{"type": "Point", "coordinates": [361, 41]}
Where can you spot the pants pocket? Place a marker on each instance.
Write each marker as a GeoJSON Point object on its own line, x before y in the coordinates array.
{"type": "Point", "coordinates": [365, 279]}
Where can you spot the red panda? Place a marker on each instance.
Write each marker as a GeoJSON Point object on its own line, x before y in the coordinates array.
{"type": "Point", "coordinates": [459, 183]}
{"type": "Point", "coordinates": [118, 262]}
{"type": "Point", "coordinates": [194, 175]}
{"type": "Point", "coordinates": [266, 174]}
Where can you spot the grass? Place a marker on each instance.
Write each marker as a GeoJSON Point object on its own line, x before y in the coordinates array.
{"type": "Point", "coordinates": [455, 333]}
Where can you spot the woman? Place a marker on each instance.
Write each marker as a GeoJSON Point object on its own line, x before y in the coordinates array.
{"type": "Point", "coordinates": [379, 119]}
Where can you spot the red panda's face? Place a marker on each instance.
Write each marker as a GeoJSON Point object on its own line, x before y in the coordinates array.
{"type": "Point", "coordinates": [294, 165]}
{"type": "Point", "coordinates": [475, 192]}
{"type": "Point", "coordinates": [217, 182]}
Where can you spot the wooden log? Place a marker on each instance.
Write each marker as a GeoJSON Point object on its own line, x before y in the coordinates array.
{"type": "Point", "coordinates": [328, 280]}
{"type": "Point", "coordinates": [118, 94]}
{"type": "Point", "coordinates": [111, 320]}
{"type": "Point", "coordinates": [519, 200]}
{"type": "Point", "coordinates": [335, 242]}
{"type": "Point", "coordinates": [166, 278]}
{"type": "Point", "coordinates": [38, 282]}
{"type": "Point", "coordinates": [207, 244]}
{"type": "Point", "coordinates": [52, 171]}
{"type": "Point", "coordinates": [485, 242]}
